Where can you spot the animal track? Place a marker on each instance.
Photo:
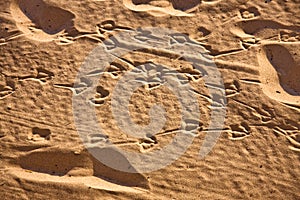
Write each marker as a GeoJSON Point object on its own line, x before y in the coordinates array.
{"type": "Point", "coordinates": [41, 75]}
{"type": "Point", "coordinates": [147, 144]}
{"type": "Point", "coordinates": [289, 36]}
{"type": "Point", "coordinates": [7, 88]}
{"type": "Point", "coordinates": [103, 93]}
{"type": "Point", "coordinates": [292, 134]}
{"type": "Point", "coordinates": [44, 75]}
{"type": "Point", "coordinates": [249, 13]}
{"type": "Point", "coordinates": [115, 69]}
{"type": "Point", "coordinates": [191, 73]}
{"type": "Point", "coordinates": [266, 113]}
{"type": "Point", "coordinates": [40, 134]}
{"type": "Point", "coordinates": [82, 85]}
{"type": "Point", "coordinates": [100, 96]}
{"type": "Point", "coordinates": [239, 131]}
{"type": "Point", "coordinates": [200, 33]}
{"type": "Point", "coordinates": [8, 31]}
{"type": "Point", "coordinates": [107, 25]}
{"type": "Point", "coordinates": [294, 140]}
{"type": "Point", "coordinates": [232, 89]}
{"type": "Point", "coordinates": [205, 32]}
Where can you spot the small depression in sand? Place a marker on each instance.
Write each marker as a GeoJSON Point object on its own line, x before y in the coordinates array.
{"type": "Point", "coordinates": [40, 21]}
{"type": "Point", "coordinates": [280, 72]}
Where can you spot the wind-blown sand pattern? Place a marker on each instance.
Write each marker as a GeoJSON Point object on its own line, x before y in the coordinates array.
{"type": "Point", "coordinates": [256, 47]}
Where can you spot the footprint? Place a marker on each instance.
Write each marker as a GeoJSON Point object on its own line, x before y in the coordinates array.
{"type": "Point", "coordinates": [265, 29]}
{"type": "Point", "coordinates": [110, 155]}
{"type": "Point", "coordinates": [257, 31]}
{"type": "Point", "coordinates": [53, 162]}
{"type": "Point", "coordinates": [50, 19]}
{"type": "Point", "coordinates": [253, 27]}
{"type": "Point", "coordinates": [63, 162]}
{"type": "Point", "coordinates": [42, 22]}
{"type": "Point", "coordinates": [280, 71]}
{"type": "Point", "coordinates": [287, 69]}
{"type": "Point", "coordinates": [163, 7]}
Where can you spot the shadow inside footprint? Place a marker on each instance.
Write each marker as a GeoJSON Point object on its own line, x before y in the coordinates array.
{"type": "Point", "coordinates": [49, 18]}
{"type": "Point", "coordinates": [182, 5]}
{"type": "Point", "coordinates": [185, 4]}
{"type": "Point", "coordinates": [253, 26]}
{"type": "Point", "coordinates": [113, 157]}
{"type": "Point", "coordinates": [137, 2]}
{"type": "Point", "coordinates": [287, 69]}
{"type": "Point", "coordinates": [54, 162]}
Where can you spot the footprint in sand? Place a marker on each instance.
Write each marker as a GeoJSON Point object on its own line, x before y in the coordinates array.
{"type": "Point", "coordinates": [80, 165]}
{"type": "Point", "coordinates": [44, 23]}
{"type": "Point", "coordinates": [163, 7]}
{"type": "Point", "coordinates": [256, 31]}
{"type": "Point", "coordinates": [40, 21]}
{"type": "Point", "coordinates": [280, 72]}
{"type": "Point", "coordinates": [278, 56]}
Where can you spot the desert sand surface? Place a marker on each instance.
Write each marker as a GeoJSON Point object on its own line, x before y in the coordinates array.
{"type": "Point", "coordinates": [255, 46]}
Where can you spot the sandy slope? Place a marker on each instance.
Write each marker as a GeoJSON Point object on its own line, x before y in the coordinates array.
{"type": "Point", "coordinates": [255, 46]}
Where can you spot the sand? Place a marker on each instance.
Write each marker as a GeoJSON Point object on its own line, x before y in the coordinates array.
{"type": "Point", "coordinates": [255, 46]}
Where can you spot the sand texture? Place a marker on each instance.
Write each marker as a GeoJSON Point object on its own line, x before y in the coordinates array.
{"type": "Point", "coordinates": [255, 46]}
